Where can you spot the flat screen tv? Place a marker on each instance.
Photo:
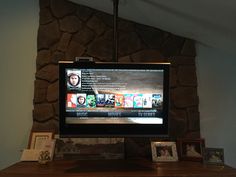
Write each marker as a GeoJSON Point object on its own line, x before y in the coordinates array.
{"type": "Point", "coordinates": [113, 99]}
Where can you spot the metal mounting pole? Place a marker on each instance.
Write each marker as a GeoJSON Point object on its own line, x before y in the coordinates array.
{"type": "Point", "coordinates": [115, 31]}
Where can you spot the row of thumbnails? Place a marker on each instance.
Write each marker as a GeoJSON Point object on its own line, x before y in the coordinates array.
{"type": "Point", "coordinates": [114, 100]}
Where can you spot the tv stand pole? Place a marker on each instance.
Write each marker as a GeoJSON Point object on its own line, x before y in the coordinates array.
{"type": "Point", "coordinates": [115, 32]}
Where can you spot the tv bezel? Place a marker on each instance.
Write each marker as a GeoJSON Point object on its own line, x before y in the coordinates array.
{"type": "Point", "coordinates": [112, 130]}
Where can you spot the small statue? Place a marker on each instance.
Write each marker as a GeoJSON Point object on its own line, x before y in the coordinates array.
{"type": "Point", "coordinates": [44, 157]}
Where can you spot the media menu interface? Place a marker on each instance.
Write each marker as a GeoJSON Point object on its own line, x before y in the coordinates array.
{"type": "Point", "coordinates": [114, 96]}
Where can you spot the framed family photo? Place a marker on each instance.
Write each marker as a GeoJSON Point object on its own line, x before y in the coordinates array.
{"type": "Point", "coordinates": [214, 156]}
{"type": "Point", "coordinates": [164, 151]}
{"type": "Point", "coordinates": [191, 149]}
{"type": "Point", "coordinates": [38, 139]}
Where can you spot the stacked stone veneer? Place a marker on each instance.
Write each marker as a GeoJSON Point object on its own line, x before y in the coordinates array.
{"type": "Point", "coordinates": [68, 30]}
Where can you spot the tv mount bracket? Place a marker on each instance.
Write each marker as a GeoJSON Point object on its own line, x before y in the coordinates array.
{"type": "Point", "coordinates": [83, 59]}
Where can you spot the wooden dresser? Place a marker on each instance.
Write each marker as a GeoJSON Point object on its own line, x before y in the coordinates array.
{"type": "Point", "coordinates": [116, 168]}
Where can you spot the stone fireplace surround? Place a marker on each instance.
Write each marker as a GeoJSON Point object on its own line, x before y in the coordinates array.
{"type": "Point", "coordinates": [68, 30]}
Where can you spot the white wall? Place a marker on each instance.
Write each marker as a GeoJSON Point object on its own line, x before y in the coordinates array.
{"type": "Point", "coordinates": [19, 24]}
{"type": "Point", "coordinates": [216, 72]}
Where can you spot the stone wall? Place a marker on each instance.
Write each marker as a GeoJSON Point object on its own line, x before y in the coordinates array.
{"type": "Point", "coordinates": [69, 30]}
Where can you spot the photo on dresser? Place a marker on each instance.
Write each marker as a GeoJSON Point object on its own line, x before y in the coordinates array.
{"type": "Point", "coordinates": [164, 151]}
{"type": "Point", "coordinates": [214, 156]}
{"type": "Point", "coordinates": [88, 148]}
{"type": "Point", "coordinates": [37, 139]}
{"type": "Point", "coordinates": [191, 149]}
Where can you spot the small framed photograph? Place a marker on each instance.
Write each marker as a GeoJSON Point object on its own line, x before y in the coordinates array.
{"type": "Point", "coordinates": [214, 156]}
{"type": "Point", "coordinates": [38, 139]}
{"type": "Point", "coordinates": [164, 151]}
{"type": "Point", "coordinates": [191, 149]}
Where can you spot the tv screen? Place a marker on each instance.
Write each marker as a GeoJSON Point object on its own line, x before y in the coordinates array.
{"type": "Point", "coordinates": [113, 99]}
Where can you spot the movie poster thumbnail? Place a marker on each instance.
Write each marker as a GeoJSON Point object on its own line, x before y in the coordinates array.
{"type": "Point", "coordinates": [157, 101]}
{"type": "Point", "coordinates": [73, 79]}
{"type": "Point", "coordinates": [109, 100]}
{"type": "Point", "coordinates": [138, 100]}
{"type": "Point", "coordinates": [119, 101]}
{"type": "Point", "coordinates": [71, 100]}
{"type": "Point", "coordinates": [91, 101]}
{"type": "Point", "coordinates": [147, 100]}
{"type": "Point", "coordinates": [100, 100]}
{"type": "Point", "coordinates": [128, 100]}
{"type": "Point", "coordinates": [81, 100]}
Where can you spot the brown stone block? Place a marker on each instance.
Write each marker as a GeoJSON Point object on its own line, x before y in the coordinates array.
{"type": "Point", "coordinates": [183, 97]}
{"type": "Point", "coordinates": [172, 46]}
{"type": "Point", "coordinates": [125, 25]}
{"type": "Point", "coordinates": [70, 24]}
{"type": "Point", "coordinates": [83, 12]}
{"type": "Point", "coordinates": [187, 75]}
{"type": "Point", "coordinates": [50, 125]}
{"type": "Point", "coordinates": [40, 90]}
{"type": "Point", "coordinates": [192, 135]}
{"type": "Point", "coordinates": [75, 49]}
{"type": "Point", "coordinates": [106, 18]}
{"type": "Point", "coordinates": [49, 73]}
{"type": "Point", "coordinates": [177, 122]}
{"type": "Point", "coordinates": [53, 47]}
{"type": "Point", "coordinates": [56, 108]}
{"type": "Point", "coordinates": [48, 35]}
{"type": "Point", "coordinates": [182, 60]}
{"type": "Point", "coordinates": [178, 127]}
{"type": "Point", "coordinates": [61, 8]}
{"type": "Point", "coordinates": [43, 58]}
{"type": "Point", "coordinates": [45, 16]}
{"type": "Point", "coordinates": [193, 119]}
{"type": "Point", "coordinates": [148, 55]}
{"type": "Point", "coordinates": [58, 56]}
{"type": "Point", "coordinates": [101, 49]}
{"type": "Point", "coordinates": [125, 59]}
{"type": "Point", "coordinates": [137, 147]}
{"type": "Point", "coordinates": [56, 118]}
{"type": "Point", "coordinates": [44, 3]}
{"type": "Point", "coordinates": [97, 25]}
{"type": "Point", "coordinates": [173, 77]}
{"type": "Point", "coordinates": [108, 35]}
{"type": "Point", "coordinates": [84, 36]}
{"type": "Point", "coordinates": [64, 42]}
{"type": "Point", "coordinates": [189, 48]}
{"type": "Point", "coordinates": [129, 43]}
{"type": "Point", "coordinates": [43, 112]}
{"type": "Point", "coordinates": [41, 84]}
{"type": "Point", "coordinates": [53, 92]}
{"type": "Point", "coordinates": [179, 114]}
{"type": "Point", "coordinates": [151, 36]}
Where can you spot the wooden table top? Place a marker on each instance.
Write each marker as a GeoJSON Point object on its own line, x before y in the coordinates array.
{"type": "Point", "coordinates": [116, 168]}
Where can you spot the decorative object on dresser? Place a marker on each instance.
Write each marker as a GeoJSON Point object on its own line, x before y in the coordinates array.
{"type": "Point", "coordinates": [164, 151]}
{"type": "Point", "coordinates": [214, 156]}
{"type": "Point", "coordinates": [38, 139]}
{"type": "Point", "coordinates": [40, 147]}
{"type": "Point", "coordinates": [191, 149]}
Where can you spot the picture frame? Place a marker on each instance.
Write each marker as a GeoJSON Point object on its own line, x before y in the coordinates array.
{"type": "Point", "coordinates": [37, 140]}
{"type": "Point", "coordinates": [214, 156]}
{"type": "Point", "coordinates": [191, 149]}
{"type": "Point", "coordinates": [164, 152]}
{"type": "Point", "coordinates": [92, 148]}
